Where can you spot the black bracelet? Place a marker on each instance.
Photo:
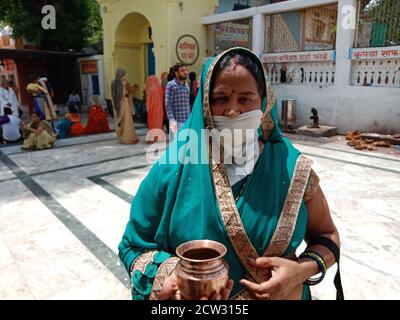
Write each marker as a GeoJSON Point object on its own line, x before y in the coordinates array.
{"type": "Point", "coordinates": [315, 256]}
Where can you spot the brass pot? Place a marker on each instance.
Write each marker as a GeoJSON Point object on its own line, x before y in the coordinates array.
{"type": "Point", "coordinates": [201, 270]}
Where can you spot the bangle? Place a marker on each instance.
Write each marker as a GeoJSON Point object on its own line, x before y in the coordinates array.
{"type": "Point", "coordinates": [315, 256]}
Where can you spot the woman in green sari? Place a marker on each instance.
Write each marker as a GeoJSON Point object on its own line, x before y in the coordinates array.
{"type": "Point", "coordinates": [261, 212]}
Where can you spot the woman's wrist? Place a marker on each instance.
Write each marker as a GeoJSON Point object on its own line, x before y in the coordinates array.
{"type": "Point", "coordinates": [307, 269]}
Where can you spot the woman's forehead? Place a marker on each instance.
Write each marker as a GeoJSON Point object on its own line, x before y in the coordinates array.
{"type": "Point", "coordinates": [238, 77]}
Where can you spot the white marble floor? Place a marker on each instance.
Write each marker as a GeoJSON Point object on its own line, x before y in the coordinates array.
{"type": "Point", "coordinates": [63, 212]}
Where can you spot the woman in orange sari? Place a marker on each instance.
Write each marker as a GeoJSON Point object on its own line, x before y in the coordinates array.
{"type": "Point", "coordinates": [77, 128]}
{"type": "Point", "coordinates": [97, 122]}
{"type": "Point", "coordinates": [155, 113]}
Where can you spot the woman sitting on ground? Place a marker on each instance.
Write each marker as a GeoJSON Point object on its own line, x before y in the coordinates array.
{"type": "Point", "coordinates": [76, 127]}
{"type": "Point", "coordinates": [38, 134]}
{"type": "Point", "coordinates": [63, 128]}
{"type": "Point", "coordinates": [97, 122]}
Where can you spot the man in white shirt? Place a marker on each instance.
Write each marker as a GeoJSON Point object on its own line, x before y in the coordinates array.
{"type": "Point", "coordinates": [75, 100]}
{"type": "Point", "coordinates": [10, 125]}
{"type": "Point", "coordinates": [7, 96]}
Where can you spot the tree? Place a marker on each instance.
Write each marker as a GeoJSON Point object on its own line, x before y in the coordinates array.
{"type": "Point", "coordinates": [78, 22]}
{"type": "Point", "coordinates": [385, 15]}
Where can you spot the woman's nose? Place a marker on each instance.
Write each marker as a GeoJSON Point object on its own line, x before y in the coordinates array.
{"type": "Point", "coordinates": [232, 111]}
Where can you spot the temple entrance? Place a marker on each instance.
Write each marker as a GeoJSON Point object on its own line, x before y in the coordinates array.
{"type": "Point", "coordinates": [133, 49]}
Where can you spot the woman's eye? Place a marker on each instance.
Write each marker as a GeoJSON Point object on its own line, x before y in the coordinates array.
{"type": "Point", "coordinates": [220, 99]}
{"type": "Point", "coordinates": [245, 100]}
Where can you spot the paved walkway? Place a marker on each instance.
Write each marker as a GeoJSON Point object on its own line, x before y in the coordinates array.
{"type": "Point", "coordinates": [63, 212]}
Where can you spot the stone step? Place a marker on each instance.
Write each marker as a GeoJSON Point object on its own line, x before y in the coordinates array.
{"type": "Point", "coordinates": [322, 131]}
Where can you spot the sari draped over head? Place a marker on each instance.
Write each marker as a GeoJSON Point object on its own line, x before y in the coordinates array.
{"type": "Point", "coordinates": [77, 128]}
{"type": "Point", "coordinates": [50, 110]}
{"type": "Point", "coordinates": [180, 202]}
{"type": "Point", "coordinates": [117, 89]}
{"type": "Point", "coordinates": [97, 121]}
{"type": "Point", "coordinates": [155, 106]}
{"type": "Point", "coordinates": [164, 79]}
{"type": "Point", "coordinates": [123, 109]}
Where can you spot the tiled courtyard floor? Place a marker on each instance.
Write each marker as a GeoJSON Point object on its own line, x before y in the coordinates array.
{"type": "Point", "coordinates": [63, 212]}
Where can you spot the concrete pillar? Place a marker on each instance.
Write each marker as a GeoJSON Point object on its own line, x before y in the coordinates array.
{"type": "Point", "coordinates": [109, 61]}
{"type": "Point", "coordinates": [345, 35]}
{"type": "Point", "coordinates": [258, 34]}
{"type": "Point", "coordinates": [169, 55]}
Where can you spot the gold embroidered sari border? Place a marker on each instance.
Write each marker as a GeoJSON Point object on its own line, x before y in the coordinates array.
{"type": "Point", "coordinates": [142, 261]}
{"type": "Point", "coordinates": [226, 202]}
{"type": "Point", "coordinates": [287, 222]}
{"type": "Point", "coordinates": [231, 218]}
{"type": "Point", "coordinates": [164, 271]}
{"type": "Point", "coordinates": [312, 186]}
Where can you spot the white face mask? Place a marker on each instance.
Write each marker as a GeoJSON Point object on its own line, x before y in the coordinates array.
{"type": "Point", "coordinates": [238, 132]}
{"type": "Point", "coordinates": [240, 137]}
{"type": "Point", "coordinates": [247, 120]}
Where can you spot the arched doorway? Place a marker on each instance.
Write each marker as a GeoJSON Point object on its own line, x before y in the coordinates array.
{"type": "Point", "coordinates": [133, 49]}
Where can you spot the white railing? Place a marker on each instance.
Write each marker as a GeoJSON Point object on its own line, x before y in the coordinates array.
{"type": "Point", "coordinates": [377, 67]}
{"type": "Point", "coordinates": [302, 68]}
{"type": "Point", "coordinates": [275, 8]}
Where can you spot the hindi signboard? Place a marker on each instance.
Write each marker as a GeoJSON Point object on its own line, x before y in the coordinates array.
{"type": "Point", "coordinates": [187, 49]}
{"type": "Point", "coordinates": [375, 53]}
{"type": "Point", "coordinates": [306, 56]}
{"type": "Point", "coordinates": [89, 67]}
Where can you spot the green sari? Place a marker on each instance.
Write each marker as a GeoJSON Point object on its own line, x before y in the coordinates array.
{"type": "Point", "coordinates": [182, 202]}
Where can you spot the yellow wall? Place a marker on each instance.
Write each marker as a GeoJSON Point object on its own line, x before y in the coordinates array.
{"type": "Point", "coordinates": [125, 25]}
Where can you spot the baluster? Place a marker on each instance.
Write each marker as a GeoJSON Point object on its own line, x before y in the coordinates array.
{"type": "Point", "coordinates": [333, 77]}
{"type": "Point", "coordinates": [316, 77]}
{"type": "Point", "coordinates": [365, 78]}
{"type": "Point", "coordinates": [359, 77]}
{"type": "Point", "coordinates": [398, 73]}
{"type": "Point", "coordinates": [379, 78]}
{"type": "Point", "coordinates": [387, 77]}
{"type": "Point", "coordinates": [372, 77]}
{"type": "Point", "coordinates": [327, 77]}
{"type": "Point", "coordinates": [310, 77]}
{"type": "Point", "coordinates": [321, 77]}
